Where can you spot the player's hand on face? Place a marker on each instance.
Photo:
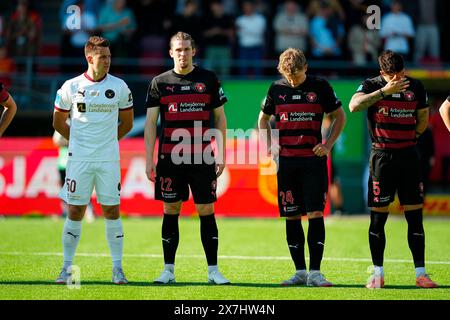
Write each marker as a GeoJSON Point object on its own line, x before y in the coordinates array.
{"type": "Point", "coordinates": [396, 85]}
{"type": "Point", "coordinates": [321, 150]}
{"type": "Point", "coordinates": [219, 169]}
{"type": "Point", "coordinates": [150, 171]}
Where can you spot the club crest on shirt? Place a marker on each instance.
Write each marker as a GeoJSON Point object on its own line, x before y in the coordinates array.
{"type": "Point", "coordinates": [200, 87]}
{"type": "Point", "coordinates": [409, 95]}
{"type": "Point", "coordinates": [311, 96]}
{"type": "Point", "coordinates": [110, 94]}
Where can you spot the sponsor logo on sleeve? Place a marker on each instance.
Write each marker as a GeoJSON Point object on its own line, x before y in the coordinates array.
{"type": "Point", "coordinates": [58, 99]}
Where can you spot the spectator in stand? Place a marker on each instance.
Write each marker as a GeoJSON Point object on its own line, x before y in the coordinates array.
{"type": "Point", "coordinates": [7, 66]}
{"type": "Point", "coordinates": [230, 7]}
{"type": "Point", "coordinates": [118, 24]}
{"type": "Point", "coordinates": [363, 43]}
{"type": "Point", "coordinates": [427, 39]}
{"type": "Point", "coordinates": [291, 28]}
{"type": "Point", "coordinates": [5, 8]}
{"type": "Point", "coordinates": [190, 22]}
{"type": "Point", "coordinates": [397, 30]}
{"type": "Point", "coordinates": [218, 37]}
{"type": "Point", "coordinates": [154, 22]}
{"type": "Point", "coordinates": [251, 29]}
{"type": "Point", "coordinates": [153, 19]}
{"type": "Point", "coordinates": [263, 7]}
{"type": "Point", "coordinates": [24, 31]}
{"type": "Point", "coordinates": [74, 39]}
{"type": "Point", "coordinates": [180, 6]}
{"type": "Point", "coordinates": [327, 33]}
{"type": "Point", "coordinates": [314, 8]}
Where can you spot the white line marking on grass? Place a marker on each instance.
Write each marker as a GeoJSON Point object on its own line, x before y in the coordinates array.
{"type": "Point", "coordinates": [195, 256]}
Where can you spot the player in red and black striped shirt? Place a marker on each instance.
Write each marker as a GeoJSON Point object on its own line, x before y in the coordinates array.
{"type": "Point", "coordinates": [186, 97]}
{"type": "Point", "coordinates": [298, 103]}
{"type": "Point", "coordinates": [397, 114]}
{"type": "Point", "coordinates": [9, 111]}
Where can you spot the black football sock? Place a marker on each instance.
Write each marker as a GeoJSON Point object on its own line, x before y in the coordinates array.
{"type": "Point", "coordinates": [210, 238]}
{"type": "Point", "coordinates": [170, 237]}
{"type": "Point", "coordinates": [316, 242]}
{"type": "Point", "coordinates": [416, 236]}
{"type": "Point", "coordinates": [296, 242]}
{"type": "Point", "coordinates": [377, 238]}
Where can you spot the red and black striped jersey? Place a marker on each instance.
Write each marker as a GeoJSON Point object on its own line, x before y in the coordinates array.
{"type": "Point", "coordinates": [4, 95]}
{"type": "Point", "coordinates": [392, 120]}
{"type": "Point", "coordinates": [299, 113]}
{"type": "Point", "coordinates": [185, 102]}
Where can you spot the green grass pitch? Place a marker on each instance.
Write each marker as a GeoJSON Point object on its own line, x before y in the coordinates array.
{"type": "Point", "coordinates": [252, 253]}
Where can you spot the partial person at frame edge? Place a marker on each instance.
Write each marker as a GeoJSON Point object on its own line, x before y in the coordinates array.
{"type": "Point", "coordinates": [10, 109]}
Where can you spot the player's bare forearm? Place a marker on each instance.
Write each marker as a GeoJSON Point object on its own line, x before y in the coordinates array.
{"type": "Point", "coordinates": [8, 114]}
{"type": "Point", "coordinates": [422, 121]}
{"type": "Point", "coordinates": [444, 110]}
{"type": "Point", "coordinates": [361, 101]}
{"type": "Point", "coordinates": [220, 121]}
{"type": "Point", "coordinates": [151, 123]}
{"type": "Point", "coordinates": [265, 133]}
{"type": "Point", "coordinates": [60, 124]}
{"type": "Point", "coordinates": [337, 125]}
{"type": "Point", "coordinates": [126, 123]}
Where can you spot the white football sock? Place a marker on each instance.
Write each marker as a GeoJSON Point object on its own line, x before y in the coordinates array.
{"type": "Point", "coordinates": [70, 238]}
{"type": "Point", "coordinates": [114, 235]}
{"type": "Point", "coordinates": [169, 267]}
{"type": "Point", "coordinates": [212, 269]}
{"type": "Point", "coordinates": [378, 270]}
{"type": "Point", "coordinates": [420, 271]}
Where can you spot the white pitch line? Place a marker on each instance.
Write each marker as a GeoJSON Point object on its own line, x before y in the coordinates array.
{"type": "Point", "coordinates": [144, 255]}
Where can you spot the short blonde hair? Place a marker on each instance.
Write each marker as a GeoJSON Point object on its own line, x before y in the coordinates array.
{"type": "Point", "coordinates": [291, 61]}
{"type": "Point", "coordinates": [182, 36]}
{"type": "Point", "coordinates": [93, 43]}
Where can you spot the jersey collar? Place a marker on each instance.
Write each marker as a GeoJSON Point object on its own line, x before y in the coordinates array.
{"type": "Point", "coordinates": [92, 80]}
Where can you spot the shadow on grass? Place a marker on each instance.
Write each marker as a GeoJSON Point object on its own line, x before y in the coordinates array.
{"type": "Point", "coordinates": [201, 284]}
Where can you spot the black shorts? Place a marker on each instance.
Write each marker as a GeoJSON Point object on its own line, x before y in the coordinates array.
{"type": "Point", "coordinates": [173, 182]}
{"type": "Point", "coordinates": [302, 185]}
{"type": "Point", "coordinates": [394, 171]}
